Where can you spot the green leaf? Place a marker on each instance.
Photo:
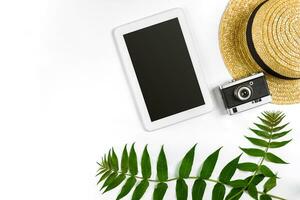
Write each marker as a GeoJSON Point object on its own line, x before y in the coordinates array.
{"type": "Point", "coordinates": [279, 135]}
{"type": "Point", "coordinates": [146, 164]}
{"type": "Point", "coordinates": [235, 194]}
{"type": "Point", "coordinates": [181, 189]}
{"type": "Point", "coordinates": [266, 122]}
{"type": "Point", "coordinates": [273, 116]}
{"type": "Point", "coordinates": [105, 162]}
{"type": "Point", "coordinates": [116, 182]}
{"type": "Point", "coordinates": [198, 189]}
{"type": "Point", "coordinates": [275, 159]}
{"type": "Point", "coordinates": [270, 184]}
{"type": "Point", "coordinates": [160, 191]}
{"type": "Point", "coordinates": [263, 128]}
{"type": "Point", "coordinates": [114, 161]}
{"type": "Point", "coordinates": [109, 162]}
{"type": "Point", "coordinates": [256, 180]}
{"type": "Point", "coordinates": [133, 167]}
{"type": "Point", "coordinates": [254, 152]}
{"type": "Point", "coordinates": [279, 119]}
{"type": "Point", "coordinates": [101, 171]}
{"type": "Point", "coordinates": [258, 142]}
{"type": "Point", "coordinates": [266, 171]}
{"type": "Point", "coordinates": [252, 190]}
{"type": "Point", "coordinates": [162, 166]}
{"type": "Point", "coordinates": [110, 178]}
{"type": "Point", "coordinates": [260, 133]}
{"type": "Point", "coordinates": [248, 167]}
{"type": "Point", "coordinates": [104, 176]}
{"type": "Point", "coordinates": [209, 165]}
{"type": "Point", "coordinates": [140, 190]}
{"type": "Point", "coordinates": [238, 183]}
{"type": "Point", "coordinates": [187, 163]}
{"type": "Point", "coordinates": [124, 160]}
{"type": "Point", "coordinates": [218, 192]}
{"type": "Point", "coordinates": [279, 128]}
{"type": "Point", "coordinates": [279, 115]}
{"type": "Point", "coordinates": [229, 170]}
{"type": "Point", "coordinates": [268, 116]}
{"type": "Point", "coordinates": [279, 144]}
{"type": "Point", "coordinates": [127, 187]}
{"type": "Point", "coordinates": [265, 197]}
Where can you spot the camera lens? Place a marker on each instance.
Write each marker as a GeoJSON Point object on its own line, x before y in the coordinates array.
{"type": "Point", "coordinates": [243, 93]}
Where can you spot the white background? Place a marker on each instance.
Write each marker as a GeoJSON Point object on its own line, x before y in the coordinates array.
{"type": "Point", "coordinates": [64, 99]}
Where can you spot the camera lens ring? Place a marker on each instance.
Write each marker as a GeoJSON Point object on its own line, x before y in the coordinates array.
{"type": "Point", "coordinates": [243, 93]}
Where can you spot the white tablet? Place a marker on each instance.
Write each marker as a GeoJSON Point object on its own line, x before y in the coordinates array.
{"type": "Point", "coordinates": [163, 69]}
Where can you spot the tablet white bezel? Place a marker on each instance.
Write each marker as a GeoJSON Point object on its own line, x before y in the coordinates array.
{"type": "Point", "coordinates": [119, 32]}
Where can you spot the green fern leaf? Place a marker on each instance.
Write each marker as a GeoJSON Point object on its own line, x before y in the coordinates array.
{"type": "Point", "coordinates": [187, 163]}
{"type": "Point", "coordinates": [263, 128]}
{"type": "Point", "coordinates": [160, 191]}
{"type": "Point", "coordinates": [104, 176]}
{"type": "Point", "coordinates": [105, 162]}
{"type": "Point", "coordinates": [218, 192]}
{"type": "Point", "coordinates": [252, 191]}
{"type": "Point", "coordinates": [146, 164]}
{"type": "Point", "coordinates": [258, 142]}
{"type": "Point", "coordinates": [279, 120]}
{"type": "Point", "coordinates": [162, 166]}
{"type": "Point", "coordinates": [133, 166]}
{"type": "Point", "coordinates": [253, 152]}
{"type": "Point", "coordinates": [127, 187]}
{"type": "Point", "coordinates": [109, 179]}
{"type": "Point", "coordinates": [279, 135]}
{"type": "Point", "coordinates": [266, 171]}
{"type": "Point", "coordinates": [115, 183]}
{"type": "Point", "coordinates": [279, 144]}
{"type": "Point", "coordinates": [238, 183]}
{"type": "Point", "coordinates": [114, 161]}
{"type": "Point", "coordinates": [270, 184]}
{"type": "Point", "coordinates": [261, 133]}
{"type": "Point", "coordinates": [124, 160]}
{"type": "Point", "coordinates": [181, 189]}
{"type": "Point", "coordinates": [275, 159]}
{"type": "Point", "coordinates": [109, 161]}
{"type": "Point", "coordinates": [266, 122]}
{"type": "Point", "coordinates": [256, 180]}
{"type": "Point", "coordinates": [265, 197]}
{"type": "Point", "coordinates": [248, 167]}
{"type": "Point", "coordinates": [235, 194]}
{"type": "Point", "coordinates": [229, 170]}
{"type": "Point", "coordinates": [268, 116]}
{"type": "Point", "coordinates": [101, 171]}
{"type": "Point", "coordinates": [140, 190]}
{"type": "Point", "coordinates": [108, 168]}
{"type": "Point", "coordinates": [209, 165]}
{"type": "Point", "coordinates": [279, 128]}
{"type": "Point", "coordinates": [198, 189]}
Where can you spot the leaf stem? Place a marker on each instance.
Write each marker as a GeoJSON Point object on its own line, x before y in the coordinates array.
{"type": "Point", "coordinates": [273, 196]}
{"type": "Point", "coordinates": [194, 178]}
{"type": "Point", "coordinates": [258, 168]}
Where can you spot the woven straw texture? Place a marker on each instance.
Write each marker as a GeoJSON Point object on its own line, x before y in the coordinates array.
{"type": "Point", "coordinates": [276, 36]}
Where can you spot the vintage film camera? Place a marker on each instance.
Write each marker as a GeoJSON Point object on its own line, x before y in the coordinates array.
{"type": "Point", "coordinates": [246, 93]}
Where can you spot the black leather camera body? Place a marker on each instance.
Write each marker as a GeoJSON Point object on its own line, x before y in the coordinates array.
{"type": "Point", "coordinates": [246, 93]}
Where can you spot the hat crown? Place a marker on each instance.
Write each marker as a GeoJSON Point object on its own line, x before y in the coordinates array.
{"type": "Point", "coordinates": [276, 36]}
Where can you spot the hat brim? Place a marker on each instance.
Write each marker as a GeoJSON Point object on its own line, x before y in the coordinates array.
{"type": "Point", "coordinates": [236, 55]}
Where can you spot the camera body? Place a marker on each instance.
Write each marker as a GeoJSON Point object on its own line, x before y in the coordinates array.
{"type": "Point", "coordinates": [246, 93]}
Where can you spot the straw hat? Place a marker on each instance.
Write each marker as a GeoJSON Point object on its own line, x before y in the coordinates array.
{"type": "Point", "coordinates": [259, 35]}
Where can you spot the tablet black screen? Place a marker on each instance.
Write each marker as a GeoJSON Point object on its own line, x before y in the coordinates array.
{"type": "Point", "coordinates": [164, 69]}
